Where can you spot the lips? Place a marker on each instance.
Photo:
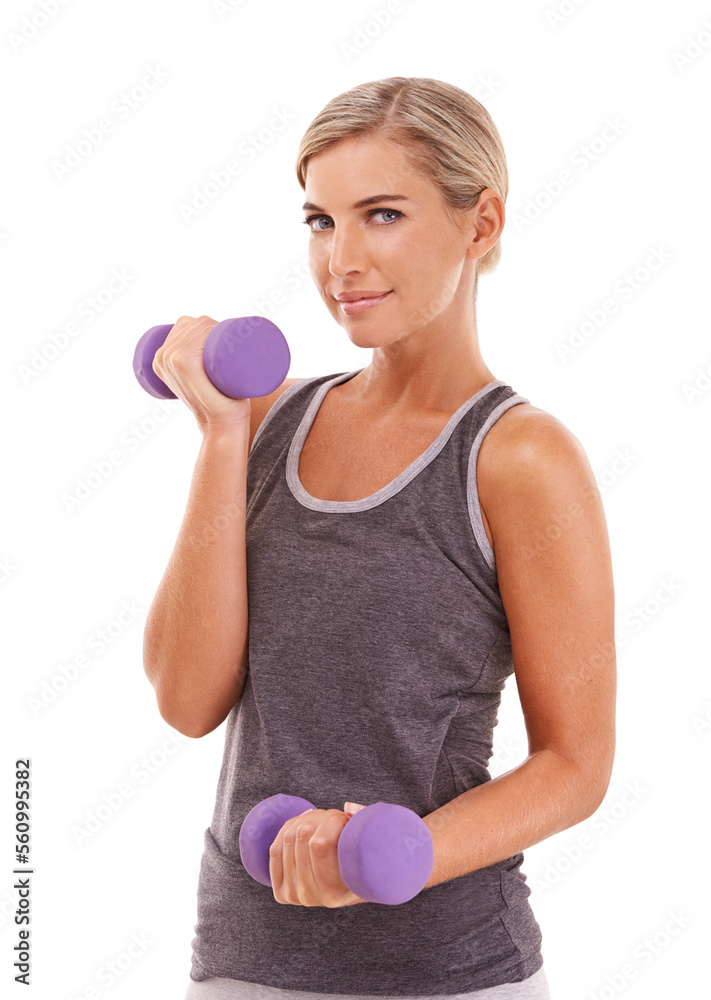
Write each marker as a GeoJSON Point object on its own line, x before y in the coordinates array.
{"type": "Point", "coordinates": [360, 305]}
{"type": "Point", "coordinates": [361, 293]}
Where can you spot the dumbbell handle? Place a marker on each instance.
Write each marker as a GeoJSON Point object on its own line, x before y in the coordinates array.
{"type": "Point", "coordinates": [243, 357]}
{"type": "Point", "coordinates": [385, 851]}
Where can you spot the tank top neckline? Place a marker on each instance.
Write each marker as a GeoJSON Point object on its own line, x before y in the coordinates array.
{"type": "Point", "coordinates": [365, 503]}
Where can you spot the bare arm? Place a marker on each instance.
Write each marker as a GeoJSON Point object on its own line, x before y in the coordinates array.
{"type": "Point", "coordinates": [195, 648]}
{"type": "Point", "coordinates": [195, 641]}
{"type": "Point", "coordinates": [554, 572]}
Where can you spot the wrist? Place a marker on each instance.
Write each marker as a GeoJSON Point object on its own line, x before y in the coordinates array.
{"type": "Point", "coordinates": [227, 432]}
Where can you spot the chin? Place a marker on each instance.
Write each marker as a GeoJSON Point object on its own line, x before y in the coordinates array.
{"type": "Point", "coordinates": [369, 341]}
{"type": "Point", "coordinates": [359, 333]}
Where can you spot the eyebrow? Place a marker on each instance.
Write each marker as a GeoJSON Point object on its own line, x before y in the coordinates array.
{"type": "Point", "coordinates": [363, 202]}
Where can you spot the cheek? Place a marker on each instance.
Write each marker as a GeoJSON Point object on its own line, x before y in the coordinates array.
{"type": "Point", "coordinates": [427, 291]}
{"type": "Point", "coordinates": [318, 260]}
{"type": "Point", "coordinates": [420, 283]}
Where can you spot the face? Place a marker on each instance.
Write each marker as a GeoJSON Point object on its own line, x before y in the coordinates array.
{"type": "Point", "coordinates": [407, 247]}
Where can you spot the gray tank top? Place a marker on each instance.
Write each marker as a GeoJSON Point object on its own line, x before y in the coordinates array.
{"type": "Point", "coordinates": [378, 650]}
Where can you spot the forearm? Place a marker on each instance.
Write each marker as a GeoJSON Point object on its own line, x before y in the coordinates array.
{"type": "Point", "coordinates": [493, 821]}
{"type": "Point", "coordinates": [195, 645]}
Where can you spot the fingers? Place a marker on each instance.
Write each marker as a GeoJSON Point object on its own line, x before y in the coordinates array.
{"type": "Point", "coordinates": [185, 329]}
{"type": "Point", "coordinates": [298, 866]}
{"type": "Point", "coordinates": [290, 862]}
{"type": "Point", "coordinates": [323, 857]}
{"type": "Point", "coordinates": [276, 864]}
{"type": "Point", "coordinates": [303, 859]}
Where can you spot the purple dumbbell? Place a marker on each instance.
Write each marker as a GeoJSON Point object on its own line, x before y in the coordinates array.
{"type": "Point", "coordinates": [385, 851]}
{"type": "Point", "coordinates": [242, 358]}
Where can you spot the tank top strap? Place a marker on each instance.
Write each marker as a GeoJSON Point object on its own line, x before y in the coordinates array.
{"type": "Point", "coordinates": [290, 406]}
{"type": "Point", "coordinates": [490, 404]}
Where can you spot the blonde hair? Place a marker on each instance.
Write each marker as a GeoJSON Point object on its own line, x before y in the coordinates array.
{"type": "Point", "coordinates": [446, 133]}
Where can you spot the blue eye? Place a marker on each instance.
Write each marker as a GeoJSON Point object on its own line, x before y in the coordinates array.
{"type": "Point", "coordinates": [373, 211]}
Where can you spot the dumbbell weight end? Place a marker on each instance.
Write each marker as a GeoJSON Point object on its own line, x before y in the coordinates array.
{"type": "Point", "coordinates": [385, 853]}
{"type": "Point", "coordinates": [143, 361]}
{"type": "Point", "coordinates": [260, 828]}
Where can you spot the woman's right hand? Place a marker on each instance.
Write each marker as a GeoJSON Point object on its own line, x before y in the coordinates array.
{"type": "Point", "coordinates": [178, 362]}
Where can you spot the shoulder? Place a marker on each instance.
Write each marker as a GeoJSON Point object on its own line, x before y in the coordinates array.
{"type": "Point", "coordinates": [526, 434]}
{"type": "Point", "coordinates": [260, 406]}
{"type": "Point", "coordinates": [531, 469]}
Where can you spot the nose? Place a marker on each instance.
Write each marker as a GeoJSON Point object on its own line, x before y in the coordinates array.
{"type": "Point", "coordinates": [345, 252]}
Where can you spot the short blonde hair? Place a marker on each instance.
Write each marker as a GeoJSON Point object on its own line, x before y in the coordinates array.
{"type": "Point", "coordinates": [446, 133]}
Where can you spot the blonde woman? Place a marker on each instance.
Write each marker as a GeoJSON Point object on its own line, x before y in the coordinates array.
{"type": "Point", "coordinates": [379, 550]}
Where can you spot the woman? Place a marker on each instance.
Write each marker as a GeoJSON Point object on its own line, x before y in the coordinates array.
{"type": "Point", "coordinates": [409, 534]}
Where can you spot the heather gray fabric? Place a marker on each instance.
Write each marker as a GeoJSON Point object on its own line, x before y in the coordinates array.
{"type": "Point", "coordinates": [533, 988]}
{"type": "Point", "coordinates": [378, 650]}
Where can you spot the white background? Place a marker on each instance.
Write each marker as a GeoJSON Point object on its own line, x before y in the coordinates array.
{"type": "Point", "coordinates": [634, 392]}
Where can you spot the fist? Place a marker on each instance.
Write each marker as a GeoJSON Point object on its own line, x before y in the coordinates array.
{"type": "Point", "coordinates": [303, 860]}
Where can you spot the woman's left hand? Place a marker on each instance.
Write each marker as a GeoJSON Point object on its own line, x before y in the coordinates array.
{"type": "Point", "coordinates": [303, 860]}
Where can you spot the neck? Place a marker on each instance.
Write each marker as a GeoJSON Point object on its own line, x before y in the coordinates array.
{"type": "Point", "coordinates": [423, 374]}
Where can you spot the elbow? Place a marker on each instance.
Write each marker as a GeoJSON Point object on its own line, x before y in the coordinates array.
{"type": "Point", "coordinates": [188, 727]}
{"type": "Point", "coordinates": [606, 763]}
{"type": "Point", "coordinates": [183, 723]}
{"type": "Point", "coordinates": [193, 727]}
{"type": "Point", "coordinates": [599, 798]}
{"type": "Point", "coordinates": [186, 719]}
{"type": "Point", "coordinates": [194, 709]}
{"type": "Point", "coordinates": [586, 784]}
{"type": "Point", "coordinates": [170, 710]}
{"type": "Point", "coordinates": [591, 805]}
{"type": "Point", "coordinates": [597, 790]}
